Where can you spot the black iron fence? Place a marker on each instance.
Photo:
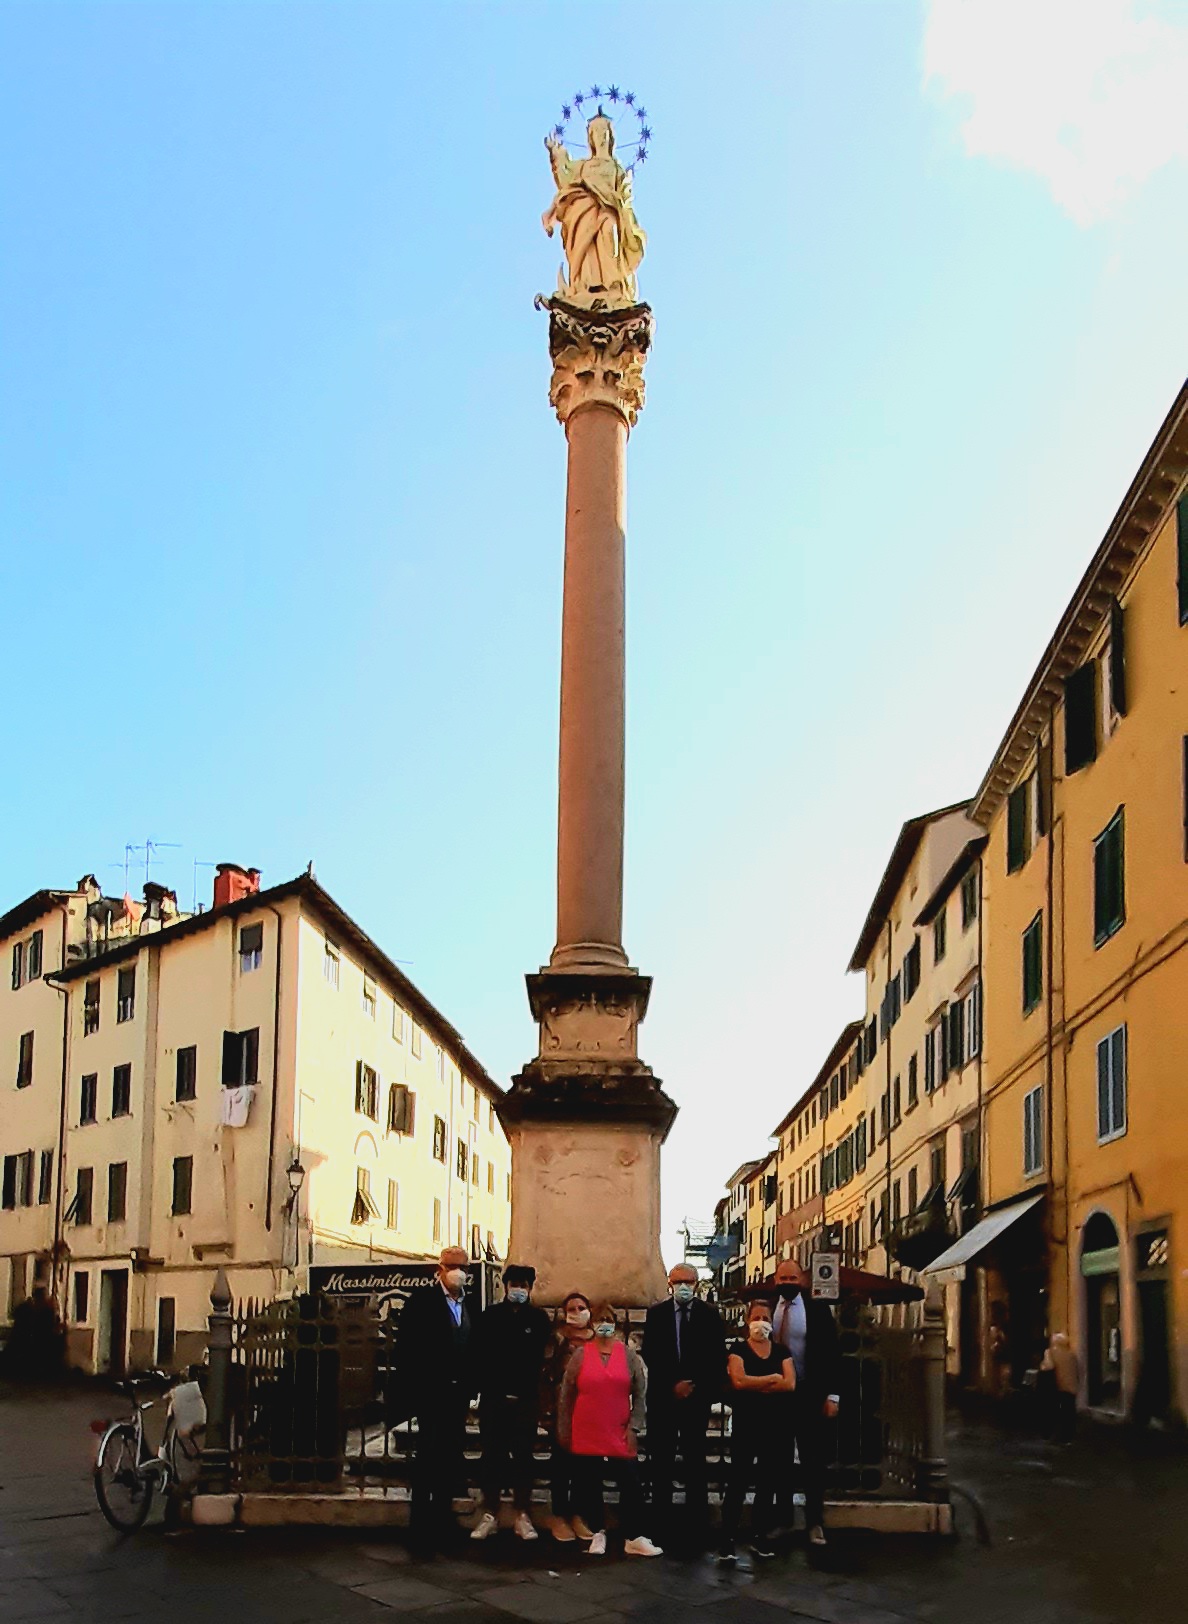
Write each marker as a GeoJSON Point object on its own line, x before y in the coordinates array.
{"type": "Point", "coordinates": [306, 1396]}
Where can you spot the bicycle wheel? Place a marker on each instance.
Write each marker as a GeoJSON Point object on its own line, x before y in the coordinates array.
{"type": "Point", "coordinates": [124, 1492]}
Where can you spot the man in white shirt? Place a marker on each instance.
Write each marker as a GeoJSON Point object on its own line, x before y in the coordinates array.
{"type": "Point", "coordinates": [807, 1329]}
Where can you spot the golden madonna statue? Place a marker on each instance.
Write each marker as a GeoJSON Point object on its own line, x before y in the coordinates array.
{"type": "Point", "coordinates": [601, 237]}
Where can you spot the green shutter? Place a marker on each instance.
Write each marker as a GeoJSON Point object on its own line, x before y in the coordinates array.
{"type": "Point", "coordinates": [1080, 717]}
{"type": "Point", "coordinates": [1017, 828]}
{"type": "Point", "coordinates": [1117, 657]}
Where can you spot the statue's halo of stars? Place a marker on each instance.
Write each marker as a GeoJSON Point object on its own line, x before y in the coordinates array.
{"type": "Point", "coordinates": [612, 103]}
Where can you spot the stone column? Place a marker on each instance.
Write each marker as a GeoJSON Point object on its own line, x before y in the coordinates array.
{"type": "Point", "coordinates": [586, 1118]}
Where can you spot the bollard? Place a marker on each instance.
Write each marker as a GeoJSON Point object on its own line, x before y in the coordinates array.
{"type": "Point", "coordinates": [932, 1469]}
{"type": "Point", "coordinates": [215, 1473]}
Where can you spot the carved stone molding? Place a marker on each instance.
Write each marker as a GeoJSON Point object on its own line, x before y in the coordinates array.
{"type": "Point", "coordinates": [598, 358]}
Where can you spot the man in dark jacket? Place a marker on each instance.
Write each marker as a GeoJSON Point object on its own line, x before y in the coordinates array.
{"type": "Point", "coordinates": [684, 1348]}
{"type": "Point", "coordinates": [509, 1347]}
{"type": "Point", "coordinates": [807, 1329]}
{"type": "Point", "coordinates": [434, 1349]}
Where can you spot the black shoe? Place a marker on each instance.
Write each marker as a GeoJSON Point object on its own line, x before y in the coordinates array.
{"type": "Point", "coordinates": [727, 1556]}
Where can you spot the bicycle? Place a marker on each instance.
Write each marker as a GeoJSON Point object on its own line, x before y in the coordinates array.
{"type": "Point", "coordinates": [126, 1474]}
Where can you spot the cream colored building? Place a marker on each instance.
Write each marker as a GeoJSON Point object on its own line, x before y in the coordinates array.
{"type": "Point", "coordinates": [188, 1071]}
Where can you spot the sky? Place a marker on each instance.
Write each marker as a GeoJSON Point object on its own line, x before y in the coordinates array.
{"type": "Point", "coordinates": [281, 495]}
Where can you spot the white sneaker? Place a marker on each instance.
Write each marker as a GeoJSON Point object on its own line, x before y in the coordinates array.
{"type": "Point", "coordinates": [641, 1547]}
{"type": "Point", "coordinates": [816, 1535]}
{"type": "Point", "coordinates": [485, 1527]}
{"type": "Point", "coordinates": [525, 1527]}
{"type": "Point", "coordinates": [598, 1543]}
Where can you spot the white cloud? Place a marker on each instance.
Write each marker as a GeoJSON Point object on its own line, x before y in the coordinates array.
{"type": "Point", "coordinates": [1090, 95]}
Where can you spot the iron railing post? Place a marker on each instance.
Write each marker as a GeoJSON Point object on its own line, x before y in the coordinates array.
{"type": "Point", "coordinates": [216, 1455]}
{"type": "Point", "coordinates": [932, 1468]}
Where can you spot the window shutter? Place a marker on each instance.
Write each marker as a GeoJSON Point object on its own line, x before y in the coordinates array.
{"type": "Point", "coordinates": [1103, 1088]}
{"type": "Point", "coordinates": [251, 1058]}
{"type": "Point", "coordinates": [1017, 828]}
{"type": "Point", "coordinates": [1080, 717]}
{"type": "Point", "coordinates": [34, 956]}
{"type": "Point", "coordinates": [231, 1048]}
{"type": "Point", "coordinates": [1101, 884]}
{"type": "Point", "coordinates": [1118, 1078]}
{"type": "Point", "coordinates": [359, 1090]}
{"type": "Point", "coordinates": [410, 1111]}
{"type": "Point", "coordinates": [18, 956]}
{"type": "Point", "coordinates": [1043, 786]}
{"type": "Point", "coordinates": [1117, 657]}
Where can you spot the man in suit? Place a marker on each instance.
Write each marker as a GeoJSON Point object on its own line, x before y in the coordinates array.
{"type": "Point", "coordinates": [684, 1349]}
{"type": "Point", "coordinates": [436, 1367]}
{"type": "Point", "coordinates": [807, 1329]}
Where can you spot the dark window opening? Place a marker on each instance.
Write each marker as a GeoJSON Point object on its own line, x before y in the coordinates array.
{"type": "Point", "coordinates": [1109, 880]}
{"type": "Point", "coordinates": [117, 1192]}
{"type": "Point", "coordinates": [187, 1074]}
{"type": "Point", "coordinates": [24, 1074]}
{"type": "Point", "coordinates": [241, 1058]}
{"type": "Point", "coordinates": [121, 1091]}
{"type": "Point", "coordinates": [1033, 965]}
{"type": "Point", "coordinates": [183, 1185]}
{"type": "Point", "coordinates": [126, 995]}
{"type": "Point", "coordinates": [1080, 717]}
{"type": "Point", "coordinates": [88, 1104]}
{"type": "Point", "coordinates": [90, 1008]}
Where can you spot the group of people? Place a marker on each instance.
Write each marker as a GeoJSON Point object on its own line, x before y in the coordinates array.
{"type": "Point", "coordinates": [577, 1375]}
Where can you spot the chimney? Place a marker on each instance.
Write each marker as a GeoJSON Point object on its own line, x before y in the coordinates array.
{"type": "Point", "coordinates": [159, 901]}
{"type": "Point", "coordinates": [233, 882]}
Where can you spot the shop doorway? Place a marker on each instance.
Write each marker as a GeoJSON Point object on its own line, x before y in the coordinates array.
{"type": "Point", "coordinates": [113, 1321]}
{"type": "Point", "coordinates": [1100, 1263]}
{"type": "Point", "coordinates": [1152, 1390]}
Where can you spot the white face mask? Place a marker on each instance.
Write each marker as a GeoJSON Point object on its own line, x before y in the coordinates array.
{"type": "Point", "coordinates": [605, 1328]}
{"type": "Point", "coordinates": [517, 1294]}
{"type": "Point", "coordinates": [761, 1329]}
{"type": "Point", "coordinates": [455, 1279]}
{"type": "Point", "coordinates": [578, 1316]}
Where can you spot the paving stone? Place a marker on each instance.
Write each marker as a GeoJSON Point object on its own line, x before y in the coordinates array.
{"type": "Point", "coordinates": [542, 1605]}
{"type": "Point", "coordinates": [30, 1598]}
{"type": "Point", "coordinates": [403, 1593]}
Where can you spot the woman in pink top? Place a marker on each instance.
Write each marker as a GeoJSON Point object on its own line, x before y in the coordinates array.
{"type": "Point", "coordinates": [600, 1412]}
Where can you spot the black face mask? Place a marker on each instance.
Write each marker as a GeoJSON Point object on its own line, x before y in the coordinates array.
{"type": "Point", "coordinates": [789, 1291]}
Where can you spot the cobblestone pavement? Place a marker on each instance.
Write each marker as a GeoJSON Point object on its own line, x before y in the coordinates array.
{"type": "Point", "coordinates": [1087, 1535]}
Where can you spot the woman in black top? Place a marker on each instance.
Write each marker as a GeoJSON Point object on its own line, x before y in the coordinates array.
{"type": "Point", "coordinates": [761, 1378]}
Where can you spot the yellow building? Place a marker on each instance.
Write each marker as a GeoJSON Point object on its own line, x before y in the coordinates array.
{"type": "Point", "coordinates": [808, 1161]}
{"type": "Point", "coordinates": [760, 1185]}
{"type": "Point", "coordinates": [1086, 808]}
{"type": "Point", "coordinates": [188, 1072]}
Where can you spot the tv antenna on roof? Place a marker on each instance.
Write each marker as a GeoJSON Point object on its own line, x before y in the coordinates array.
{"type": "Point", "coordinates": [150, 850]}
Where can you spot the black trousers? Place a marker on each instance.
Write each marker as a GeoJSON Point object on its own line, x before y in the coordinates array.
{"type": "Point", "coordinates": [440, 1466]}
{"type": "Point", "coordinates": [755, 1455]}
{"type": "Point", "coordinates": [807, 1428]}
{"type": "Point", "coordinates": [678, 1427]}
{"type": "Point", "coordinates": [507, 1432]}
{"type": "Point", "coordinates": [561, 1481]}
{"type": "Point", "coordinates": [589, 1472]}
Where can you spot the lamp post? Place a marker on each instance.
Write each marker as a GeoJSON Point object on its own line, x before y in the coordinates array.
{"type": "Point", "coordinates": [295, 1174]}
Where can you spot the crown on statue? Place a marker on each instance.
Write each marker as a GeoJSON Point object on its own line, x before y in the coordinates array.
{"type": "Point", "coordinates": [608, 101]}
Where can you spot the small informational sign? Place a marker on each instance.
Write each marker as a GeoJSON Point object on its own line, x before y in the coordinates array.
{"type": "Point", "coordinates": [827, 1275]}
{"type": "Point", "coordinates": [389, 1285]}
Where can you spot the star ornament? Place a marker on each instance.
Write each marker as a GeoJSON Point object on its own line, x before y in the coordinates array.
{"type": "Point", "coordinates": [633, 136]}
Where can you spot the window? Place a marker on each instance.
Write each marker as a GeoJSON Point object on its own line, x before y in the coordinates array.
{"type": "Point", "coordinates": [436, 1223]}
{"type": "Point", "coordinates": [366, 1090]}
{"type": "Point", "coordinates": [1033, 966]}
{"type": "Point", "coordinates": [913, 1189]}
{"type": "Point", "coordinates": [121, 1091]}
{"type": "Point", "coordinates": [90, 1008]}
{"type": "Point", "coordinates": [369, 997]}
{"type": "Point", "coordinates": [936, 1164]}
{"type": "Point", "coordinates": [930, 1060]}
{"type": "Point", "coordinates": [1080, 717]}
{"type": "Point", "coordinates": [166, 1329]}
{"type": "Point", "coordinates": [33, 957]}
{"type": "Point", "coordinates": [117, 1192]}
{"type": "Point", "coordinates": [45, 1178]}
{"type": "Point", "coordinates": [82, 1291]}
{"type": "Point", "coordinates": [186, 1084]}
{"type": "Point", "coordinates": [458, 1242]}
{"type": "Point", "coordinates": [973, 1021]}
{"type": "Point", "coordinates": [1018, 826]}
{"type": "Point", "coordinates": [834, 1094]}
{"type": "Point", "coordinates": [414, 1040]}
{"type": "Point", "coordinates": [944, 1047]}
{"type": "Point", "coordinates": [331, 963]}
{"type": "Point", "coordinates": [490, 1116]}
{"type": "Point", "coordinates": [1182, 555]}
{"type": "Point", "coordinates": [896, 1203]}
{"type": "Point", "coordinates": [8, 1198]}
{"type": "Point", "coordinates": [1033, 1131]}
{"type": "Point", "coordinates": [911, 971]}
{"type": "Point", "coordinates": [1111, 1085]}
{"type": "Point", "coordinates": [913, 1084]}
{"type": "Point", "coordinates": [402, 1109]}
{"type": "Point", "coordinates": [84, 1189]}
{"type": "Point", "coordinates": [871, 1041]}
{"type": "Point", "coordinates": [969, 899]}
{"type": "Point", "coordinates": [393, 1204]}
{"type": "Point", "coordinates": [88, 1104]}
{"type": "Point", "coordinates": [25, 1178]}
{"type": "Point", "coordinates": [251, 948]}
{"type": "Point", "coordinates": [183, 1185]}
{"type": "Point", "coordinates": [397, 1022]}
{"type": "Point", "coordinates": [241, 1058]}
{"type": "Point", "coordinates": [476, 1241]}
{"type": "Point", "coordinates": [1109, 881]}
{"type": "Point", "coordinates": [439, 1139]}
{"type": "Point", "coordinates": [896, 1111]}
{"type": "Point", "coordinates": [474, 1169]}
{"type": "Point", "coordinates": [957, 1035]}
{"type": "Point", "coordinates": [883, 1117]}
{"type": "Point", "coordinates": [463, 1159]}
{"type": "Point", "coordinates": [18, 964]}
{"type": "Point", "coordinates": [938, 936]}
{"type": "Point", "coordinates": [126, 995]}
{"type": "Point", "coordinates": [24, 1074]}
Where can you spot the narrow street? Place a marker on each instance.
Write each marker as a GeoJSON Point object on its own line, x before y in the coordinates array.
{"type": "Point", "coordinates": [1086, 1535]}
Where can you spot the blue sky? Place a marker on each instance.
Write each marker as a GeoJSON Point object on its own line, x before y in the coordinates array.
{"type": "Point", "coordinates": [282, 496]}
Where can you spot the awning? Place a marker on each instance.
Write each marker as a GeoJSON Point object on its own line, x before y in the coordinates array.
{"type": "Point", "coordinates": [978, 1238]}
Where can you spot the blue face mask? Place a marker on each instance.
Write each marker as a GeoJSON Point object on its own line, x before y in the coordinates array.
{"type": "Point", "coordinates": [684, 1293]}
{"type": "Point", "coordinates": [605, 1329]}
{"type": "Point", "coordinates": [517, 1294]}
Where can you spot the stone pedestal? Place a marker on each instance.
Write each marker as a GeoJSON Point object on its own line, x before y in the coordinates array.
{"type": "Point", "coordinates": [586, 1118]}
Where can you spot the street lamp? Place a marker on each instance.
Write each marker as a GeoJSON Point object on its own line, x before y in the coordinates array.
{"type": "Point", "coordinates": [295, 1174]}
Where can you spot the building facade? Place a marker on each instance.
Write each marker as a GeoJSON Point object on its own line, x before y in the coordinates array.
{"type": "Point", "coordinates": [1085, 806]}
{"type": "Point", "coordinates": [805, 1144]}
{"type": "Point", "coordinates": [256, 1086]}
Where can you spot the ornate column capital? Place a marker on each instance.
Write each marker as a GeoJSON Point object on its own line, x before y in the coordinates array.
{"type": "Point", "coordinates": [598, 358]}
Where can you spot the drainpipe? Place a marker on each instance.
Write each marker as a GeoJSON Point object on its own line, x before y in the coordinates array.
{"type": "Point", "coordinates": [1049, 967]}
{"type": "Point", "coordinates": [276, 989]}
{"type": "Point", "coordinates": [60, 1170]}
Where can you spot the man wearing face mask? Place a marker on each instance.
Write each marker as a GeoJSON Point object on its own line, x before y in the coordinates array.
{"type": "Point", "coordinates": [509, 1347]}
{"type": "Point", "coordinates": [807, 1329]}
{"type": "Point", "coordinates": [684, 1348]}
{"type": "Point", "coordinates": [434, 1357]}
